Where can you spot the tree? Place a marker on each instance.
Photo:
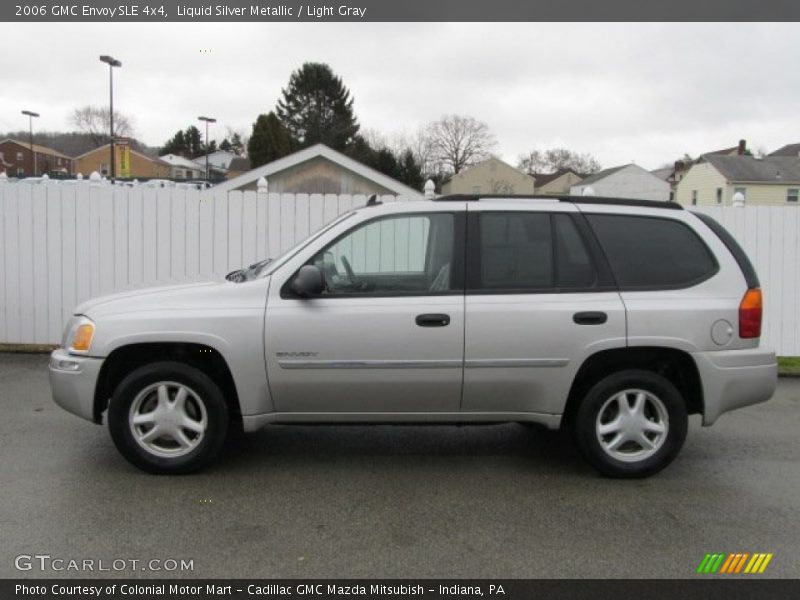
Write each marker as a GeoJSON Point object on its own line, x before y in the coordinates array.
{"type": "Point", "coordinates": [175, 145]}
{"type": "Point", "coordinates": [411, 171]}
{"type": "Point", "coordinates": [237, 144]}
{"type": "Point", "coordinates": [95, 121]}
{"type": "Point", "coordinates": [316, 107]}
{"type": "Point", "coordinates": [225, 145]}
{"type": "Point", "coordinates": [269, 141]}
{"type": "Point", "coordinates": [537, 162]}
{"type": "Point", "coordinates": [458, 141]}
{"type": "Point", "coordinates": [188, 143]}
{"type": "Point", "coordinates": [194, 141]}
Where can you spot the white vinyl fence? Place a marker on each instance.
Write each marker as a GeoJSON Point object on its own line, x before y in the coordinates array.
{"type": "Point", "coordinates": [63, 244]}
{"type": "Point", "coordinates": [771, 237]}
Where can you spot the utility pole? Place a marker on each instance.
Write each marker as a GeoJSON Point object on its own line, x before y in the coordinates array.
{"type": "Point", "coordinates": [111, 62]}
{"type": "Point", "coordinates": [30, 115]}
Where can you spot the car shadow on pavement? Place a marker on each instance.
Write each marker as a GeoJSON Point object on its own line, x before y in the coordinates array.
{"type": "Point", "coordinates": [529, 446]}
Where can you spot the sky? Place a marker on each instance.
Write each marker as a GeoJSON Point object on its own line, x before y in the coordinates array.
{"type": "Point", "coordinates": [643, 93]}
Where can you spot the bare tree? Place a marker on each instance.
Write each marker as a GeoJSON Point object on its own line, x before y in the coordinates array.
{"type": "Point", "coordinates": [95, 121]}
{"type": "Point", "coordinates": [457, 141]}
{"type": "Point", "coordinates": [537, 162]}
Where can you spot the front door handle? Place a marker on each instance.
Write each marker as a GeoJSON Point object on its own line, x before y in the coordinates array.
{"type": "Point", "coordinates": [433, 320]}
{"type": "Point", "coordinates": [590, 318]}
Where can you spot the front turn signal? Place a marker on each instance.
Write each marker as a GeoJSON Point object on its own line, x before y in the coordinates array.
{"type": "Point", "coordinates": [83, 337]}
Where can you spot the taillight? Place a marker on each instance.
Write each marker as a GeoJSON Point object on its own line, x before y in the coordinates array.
{"type": "Point", "coordinates": [750, 310]}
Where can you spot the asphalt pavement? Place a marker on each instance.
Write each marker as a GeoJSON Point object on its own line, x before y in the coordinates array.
{"type": "Point", "coordinates": [497, 501]}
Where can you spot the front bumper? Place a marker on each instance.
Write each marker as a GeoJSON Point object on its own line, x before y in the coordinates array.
{"type": "Point", "coordinates": [73, 380]}
{"type": "Point", "coordinates": [735, 378]}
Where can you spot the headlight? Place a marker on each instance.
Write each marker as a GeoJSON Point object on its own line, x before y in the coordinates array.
{"type": "Point", "coordinates": [79, 334]}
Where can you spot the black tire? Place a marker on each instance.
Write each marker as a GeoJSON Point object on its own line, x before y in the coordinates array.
{"type": "Point", "coordinates": [204, 390]}
{"type": "Point", "coordinates": [588, 439]}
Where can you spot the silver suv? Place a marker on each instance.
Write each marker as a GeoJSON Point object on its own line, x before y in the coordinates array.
{"type": "Point", "coordinates": [615, 319]}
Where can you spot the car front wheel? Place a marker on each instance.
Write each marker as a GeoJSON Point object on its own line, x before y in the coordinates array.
{"type": "Point", "coordinates": [631, 424]}
{"type": "Point", "coordinates": [168, 417]}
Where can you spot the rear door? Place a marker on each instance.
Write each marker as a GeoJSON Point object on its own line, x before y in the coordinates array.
{"type": "Point", "coordinates": [539, 300]}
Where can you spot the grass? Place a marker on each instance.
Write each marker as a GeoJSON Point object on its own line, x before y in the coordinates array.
{"type": "Point", "coordinates": [789, 365]}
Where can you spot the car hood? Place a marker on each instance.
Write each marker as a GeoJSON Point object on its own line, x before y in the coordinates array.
{"type": "Point", "coordinates": [191, 296]}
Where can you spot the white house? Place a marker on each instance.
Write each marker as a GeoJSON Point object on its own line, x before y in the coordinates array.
{"type": "Point", "coordinates": [319, 169]}
{"type": "Point", "coordinates": [181, 167]}
{"type": "Point", "coordinates": [626, 181]}
{"type": "Point", "coordinates": [218, 162]}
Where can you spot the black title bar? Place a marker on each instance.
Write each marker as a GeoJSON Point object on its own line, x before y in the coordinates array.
{"type": "Point", "coordinates": [699, 588]}
{"type": "Point", "coordinates": [155, 11]}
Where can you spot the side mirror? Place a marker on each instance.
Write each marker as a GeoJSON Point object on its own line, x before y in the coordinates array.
{"type": "Point", "coordinates": [308, 282]}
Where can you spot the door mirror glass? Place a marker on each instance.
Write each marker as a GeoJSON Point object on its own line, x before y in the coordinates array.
{"type": "Point", "coordinates": [308, 282]}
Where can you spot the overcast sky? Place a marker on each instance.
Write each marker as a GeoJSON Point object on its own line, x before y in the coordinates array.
{"type": "Point", "coordinates": [643, 93]}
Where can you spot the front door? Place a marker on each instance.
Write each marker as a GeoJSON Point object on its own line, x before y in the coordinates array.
{"type": "Point", "coordinates": [387, 336]}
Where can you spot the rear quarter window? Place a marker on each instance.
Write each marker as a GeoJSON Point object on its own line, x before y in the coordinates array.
{"type": "Point", "coordinates": [652, 252]}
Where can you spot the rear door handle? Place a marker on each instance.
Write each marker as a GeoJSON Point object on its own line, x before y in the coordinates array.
{"type": "Point", "coordinates": [590, 318]}
{"type": "Point", "coordinates": [433, 320]}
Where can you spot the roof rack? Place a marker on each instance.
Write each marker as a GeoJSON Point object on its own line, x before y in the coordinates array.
{"type": "Point", "coordinates": [573, 199]}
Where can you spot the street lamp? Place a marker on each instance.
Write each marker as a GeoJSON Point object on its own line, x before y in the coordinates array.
{"type": "Point", "coordinates": [207, 120]}
{"type": "Point", "coordinates": [111, 62]}
{"type": "Point", "coordinates": [30, 116]}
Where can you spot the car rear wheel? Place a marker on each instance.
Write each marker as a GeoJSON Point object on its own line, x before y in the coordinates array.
{"type": "Point", "coordinates": [168, 417]}
{"type": "Point", "coordinates": [631, 424]}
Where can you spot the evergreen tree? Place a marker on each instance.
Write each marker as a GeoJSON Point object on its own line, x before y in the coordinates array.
{"type": "Point", "coordinates": [175, 145]}
{"type": "Point", "coordinates": [411, 171]}
{"type": "Point", "coordinates": [225, 145]}
{"type": "Point", "coordinates": [237, 145]}
{"type": "Point", "coordinates": [194, 141]}
{"type": "Point", "coordinates": [316, 107]}
{"type": "Point", "coordinates": [269, 141]}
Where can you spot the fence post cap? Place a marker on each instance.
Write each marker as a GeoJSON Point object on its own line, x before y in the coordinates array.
{"type": "Point", "coordinates": [45, 177]}
{"type": "Point", "coordinates": [588, 191]}
{"type": "Point", "coordinates": [262, 184]}
{"type": "Point", "coordinates": [429, 189]}
{"type": "Point", "coordinates": [3, 177]}
{"type": "Point", "coordinates": [79, 176]}
{"type": "Point", "coordinates": [738, 199]}
{"type": "Point", "coordinates": [95, 178]}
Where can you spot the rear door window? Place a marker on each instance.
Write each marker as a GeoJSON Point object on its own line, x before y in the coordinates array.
{"type": "Point", "coordinates": [652, 252]}
{"type": "Point", "coordinates": [530, 252]}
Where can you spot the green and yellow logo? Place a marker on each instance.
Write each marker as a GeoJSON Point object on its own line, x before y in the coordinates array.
{"type": "Point", "coordinates": [735, 563]}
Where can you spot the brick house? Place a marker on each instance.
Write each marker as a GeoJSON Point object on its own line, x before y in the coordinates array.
{"type": "Point", "coordinates": [16, 160]}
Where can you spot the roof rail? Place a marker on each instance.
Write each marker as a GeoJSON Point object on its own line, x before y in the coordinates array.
{"type": "Point", "coordinates": [573, 199]}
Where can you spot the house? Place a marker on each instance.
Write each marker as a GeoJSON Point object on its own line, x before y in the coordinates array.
{"type": "Point", "coordinates": [17, 160]}
{"type": "Point", "coordinates": [140, 166]}
{"type": "Point", "coordinates": [772, 180]}
{"type": "Point", "coordinates": [238, 166]}
{"type": "Point", "coordinates": [625, 181]}
{"type": "Point", "coordinates": [681, 167]}
{"type": "Point", "coordinates": [787, 150]}
{"type": "Point", "coordinates": [557, 183]}
{"type": "Point", "coordinates": [491, 176]}
{"type": "Point", "coordinates": [219, 163]}
{"type": "Point", "coordinates": [319, 169]}
{"type": "Point", "coordinates": [183, 168]}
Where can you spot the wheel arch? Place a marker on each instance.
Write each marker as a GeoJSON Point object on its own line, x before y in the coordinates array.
{"type": "Point", "coordinates": [125, 359]}
{"type": "Point", "coordinates": [676, 365]}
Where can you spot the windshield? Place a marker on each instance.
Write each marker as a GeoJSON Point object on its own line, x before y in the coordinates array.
{"type": "Point", "coordinates": [268, 265]}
